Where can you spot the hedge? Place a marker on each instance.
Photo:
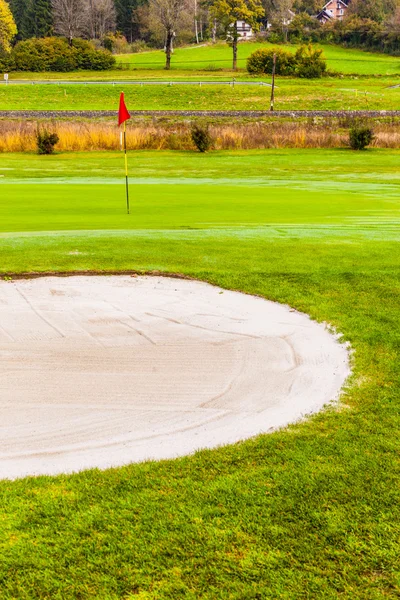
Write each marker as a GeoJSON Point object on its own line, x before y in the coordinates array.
{"type": "Point", "coordinates": [55, 54]}
{"type": "Point", "coordinates": [307, 62]}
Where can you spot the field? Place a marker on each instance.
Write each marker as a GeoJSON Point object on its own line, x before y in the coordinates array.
{"type": "Point", "coordinates": [331, 94]}
{"type": "Point", "coordinates": [371, 89]}
{"type": "Point", "coordinates": [219, 56]}
{"type": "Point", "coordinates": [307, 512]}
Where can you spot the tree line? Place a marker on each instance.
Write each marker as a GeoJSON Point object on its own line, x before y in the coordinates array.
{"type": "Point", "coordinates": [128, 25]}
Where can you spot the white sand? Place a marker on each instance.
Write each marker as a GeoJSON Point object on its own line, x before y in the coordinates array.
{"type": "Point", "coordinates": [104, 371]}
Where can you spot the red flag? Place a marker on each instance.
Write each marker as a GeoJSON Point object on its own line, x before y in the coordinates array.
{"type": "Point", "coordinates": [123, 114]}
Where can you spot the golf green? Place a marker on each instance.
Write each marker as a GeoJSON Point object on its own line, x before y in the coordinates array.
{"type": "Point", "coordinates": [311, 511]}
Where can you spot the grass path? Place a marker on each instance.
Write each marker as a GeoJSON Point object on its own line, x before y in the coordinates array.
{"type": "Point", "coordinates": [308, 512]}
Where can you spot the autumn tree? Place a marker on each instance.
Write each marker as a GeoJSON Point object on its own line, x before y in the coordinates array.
{"type": "Point", "coordinates": [311, 7]}
{"type": "Point", "coordinates": [283, 15]}
{"type": "Point", "coordinates": [229, 12]}
{"type": "Point", "coordinates": [168, 13]}
{"type": "Point", "coordinates": [8, 29]}
{"type": "Point", "coordinates": [375, 10]}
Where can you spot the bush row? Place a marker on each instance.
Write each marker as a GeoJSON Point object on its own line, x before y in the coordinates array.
{"type": "Point", "coordinates": [55, 54]}
{"type": "Point", "coordinates": [306, 62]}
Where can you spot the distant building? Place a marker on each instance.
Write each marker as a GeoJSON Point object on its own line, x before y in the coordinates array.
{"type": "Point", "coordinates": [333, 10]}
{"type": "Point", "coordinates": [245, 31]}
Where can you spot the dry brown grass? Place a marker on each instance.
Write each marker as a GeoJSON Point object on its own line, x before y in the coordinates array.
{"type": "Point", "coordinates": [20, 136]}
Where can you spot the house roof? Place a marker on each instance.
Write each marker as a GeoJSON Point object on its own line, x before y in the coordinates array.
{"type": "Point", "coordinates": [324, 14]}
{"type": "Point", "coordinates": [341, 2]}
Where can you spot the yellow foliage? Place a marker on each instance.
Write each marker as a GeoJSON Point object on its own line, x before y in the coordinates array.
{"type": "Point", "coordinates": [8, 28]}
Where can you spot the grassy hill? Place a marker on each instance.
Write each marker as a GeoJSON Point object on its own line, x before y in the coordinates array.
{"type": "Point", "coordinates": [219, 56]}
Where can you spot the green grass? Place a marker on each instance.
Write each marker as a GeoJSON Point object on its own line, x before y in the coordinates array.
{"type": "Point", "coordinates": [194, 63]}
{"type": "Point", "coordinates": [340, 59]}
{"type": "Point", "coordinates": [291, 94]}
{"type": "Point", "coordinates": [312, 511]}
{"type": "Point", "coordinates": [215, 61]}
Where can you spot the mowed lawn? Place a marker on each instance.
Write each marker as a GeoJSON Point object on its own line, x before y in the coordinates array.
{"type": "Point", "coordinates": [219, 56]}
{"type": "Point", "coordinates": [312, 511]}
{"type": "Point", "coordinates": [290, 94]}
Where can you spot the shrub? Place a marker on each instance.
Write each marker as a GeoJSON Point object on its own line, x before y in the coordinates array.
{"type": "Point", "coordinates": [55, 54]}
{"type": "Point", "coordinates": [360, 136]}
{"type": "Point", "coordinates": [6, 62]}
{"type": "Point", "coordinates": [45, 54]}
{"type": "Point", "coordinates": [261, 61]}
{"type": "Point", "coordinates": [91, 59]}
{"type": "Point", "coordinates": [212, 67]}
{"type": "Point", "coordinates": [45, 141]}
{"type": "Point", "coordinates": [201, 137]}
{"type": "Point", "coordinates": [138, 46]}
{"type": "Point", "coordinates": [306, 62]}
{"type": "Point", "coordinates": [311, 63]}
{"type": "Point", "coordinates": [275, 38]}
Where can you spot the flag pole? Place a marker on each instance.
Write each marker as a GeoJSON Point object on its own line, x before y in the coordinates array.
{"type": "Point", "coordinates": [123, 116]}
{"type": "Point", "coordinates": [126, 172]}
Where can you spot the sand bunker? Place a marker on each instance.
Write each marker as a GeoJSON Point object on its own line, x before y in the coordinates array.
{"type": "Point", "coordinates": [103, 371]}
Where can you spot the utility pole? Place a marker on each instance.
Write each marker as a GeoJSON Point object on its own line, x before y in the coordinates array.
{"type": "Point", "coordinates": [273, 83]}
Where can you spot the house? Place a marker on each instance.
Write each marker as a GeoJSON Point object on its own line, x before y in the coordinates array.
{"type": "Point", "coordinates": [244, 30]}
{"type": "Point", "coordinates": [334, 9]}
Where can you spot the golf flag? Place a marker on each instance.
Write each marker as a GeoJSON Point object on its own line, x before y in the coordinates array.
{"type": "Point", "coordinates": [123, 116]}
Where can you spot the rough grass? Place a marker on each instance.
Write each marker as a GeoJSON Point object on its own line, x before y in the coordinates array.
{"type": "Point", "coordinates": [162, 134]}
{"type": "Point", "coordinates": [308, 512]}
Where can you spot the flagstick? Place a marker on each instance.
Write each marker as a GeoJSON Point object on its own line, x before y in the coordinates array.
{"type": "Point", "coordinates": [126, 172]}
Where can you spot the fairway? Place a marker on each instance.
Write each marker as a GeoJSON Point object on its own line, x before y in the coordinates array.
{"type": "Point", "coordinates": [310, 511]}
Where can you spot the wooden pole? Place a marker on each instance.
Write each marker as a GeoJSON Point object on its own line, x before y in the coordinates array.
{"type": "Point", "coordinates": [273, 83]}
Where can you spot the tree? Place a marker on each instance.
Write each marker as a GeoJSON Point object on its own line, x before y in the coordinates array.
{"type": "Point", "coordinates": [8, 29]}
{"type": "Point", "coordinates": [34, 18]}
{"type": "Point", "coordinates": [283, 15]}
{"type": "Point", "coordinates": [368, 9]}
{"type": "Point", "coordinates": [229, 12]}
{"type": "Point", "coordinates": [100, 18]}
{"type": "Point", "coordinates": [311, 7]}
{"type": "Point", "coordinates": [19, 10]}
{"type": "Point", "coordinates": [69, 18]}
{"type": "Point", "coordinates": [125, 10]}
{"type": "Point", "coordinates": [38, 20]}
{"type": "Point", "coordinates": [168, 12]}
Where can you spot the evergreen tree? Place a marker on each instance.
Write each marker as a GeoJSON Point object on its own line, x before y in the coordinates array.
{"type": "Point", "coordinates": [39, 19]}
{"type": "Point", "coordinates": [33, 18]}
{"type": "Point", "coordinates": [19, 9]}
{"type": "Point", "coordinates": [126, 22]}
